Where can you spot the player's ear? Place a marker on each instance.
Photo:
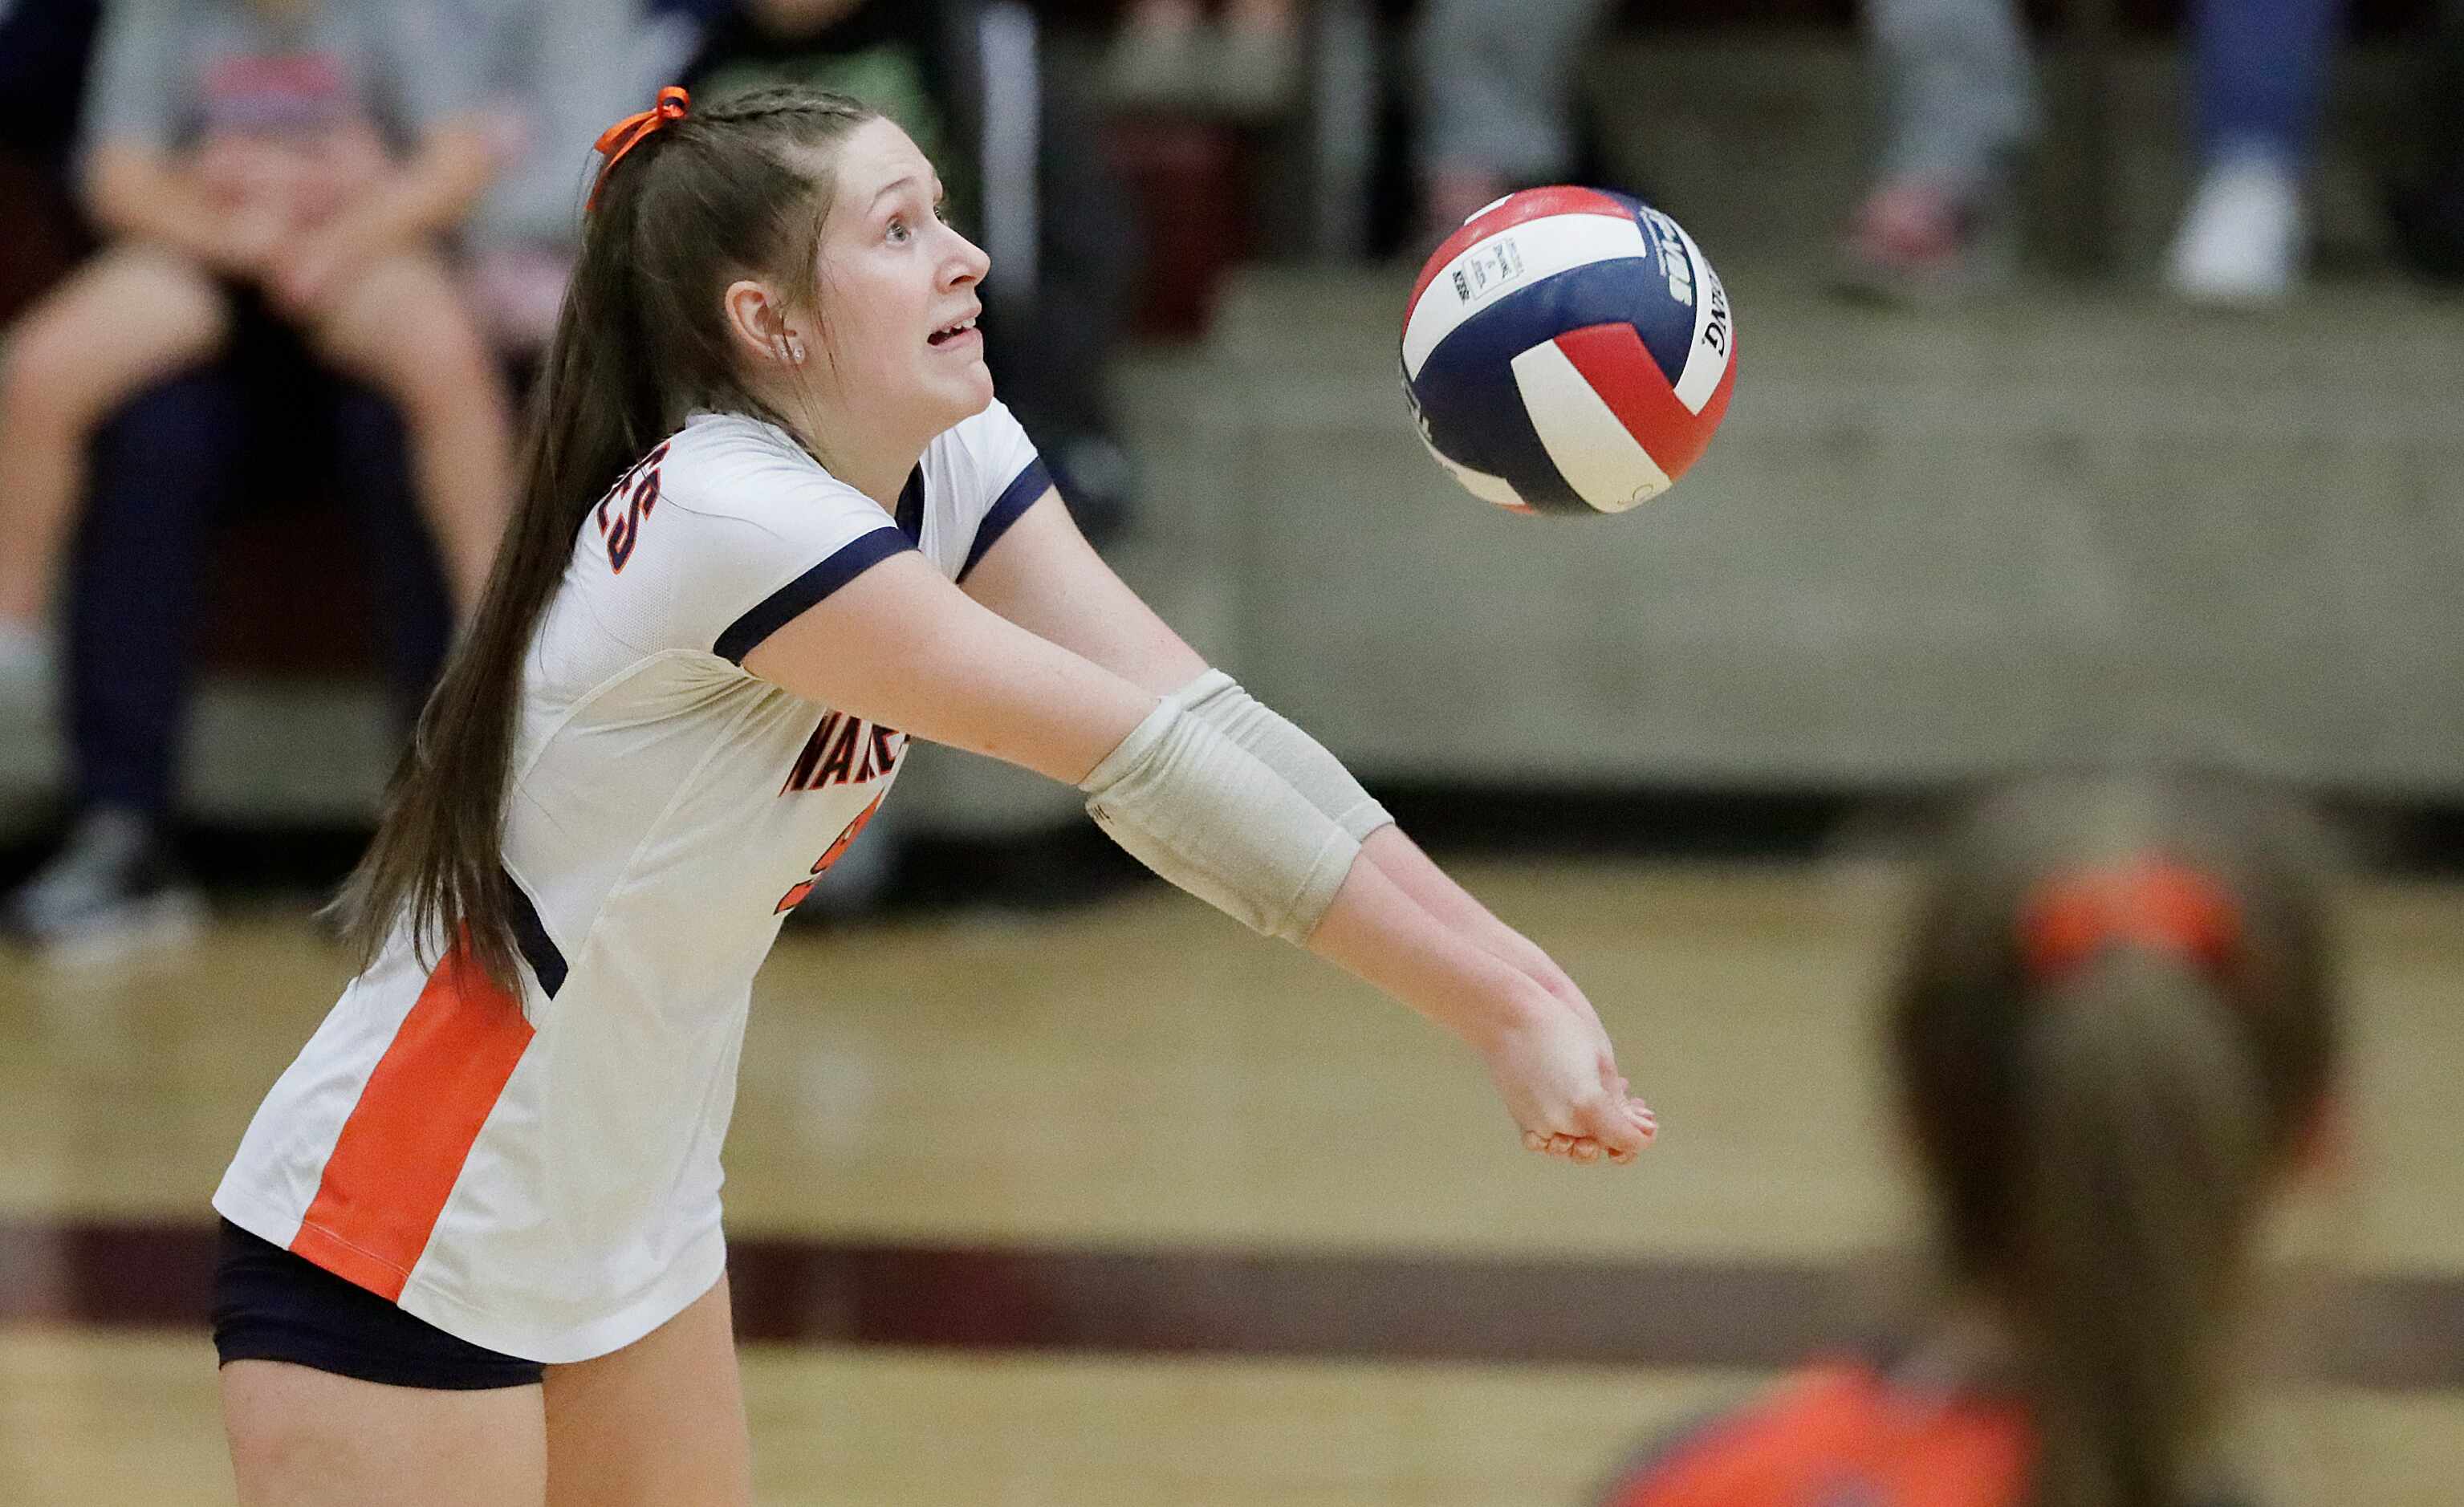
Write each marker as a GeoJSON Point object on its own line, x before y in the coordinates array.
{"type": "Point", "coordinates": [758, 325]}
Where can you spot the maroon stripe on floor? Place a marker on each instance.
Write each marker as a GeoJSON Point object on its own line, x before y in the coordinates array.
{"type": "Point", "coordinates": [2385, 1332]}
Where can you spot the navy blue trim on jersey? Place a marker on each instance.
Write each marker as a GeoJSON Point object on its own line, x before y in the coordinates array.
{"type": "Point", "coordinates": [1015, 499]}
{"type": "Point", "coordinates": [273, 1304]}
{"type": "Point", "coordinates": [911, 506]}
{"type": "Point", "coordinates": [782, 606]}
{"type": "Point", "coordinates": [539, 950]}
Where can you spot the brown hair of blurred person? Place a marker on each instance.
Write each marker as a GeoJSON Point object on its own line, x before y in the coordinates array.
{"type": "Point", "coordinates": [2114, 1035]}
{"type": "Point", "coordinates": [640, 342]}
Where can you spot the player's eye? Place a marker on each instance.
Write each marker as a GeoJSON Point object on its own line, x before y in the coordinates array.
{"type": "Point", "coordinates": [899, 231]}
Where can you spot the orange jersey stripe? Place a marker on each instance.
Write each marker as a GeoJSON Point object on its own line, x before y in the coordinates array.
{"type": "Point", "coordinates": [401, 1149]}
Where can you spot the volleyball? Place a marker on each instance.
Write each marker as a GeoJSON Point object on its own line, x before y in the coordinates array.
{"type": "Point", "coordinates": [1568, 350]}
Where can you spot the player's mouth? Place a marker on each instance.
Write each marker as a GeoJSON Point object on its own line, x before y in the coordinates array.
{"type": "Point", "coordinates": [962, 332]}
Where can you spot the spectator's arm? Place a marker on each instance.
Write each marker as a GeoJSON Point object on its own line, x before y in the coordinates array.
{"type": "Point", "coordinates": [134, 192]}
{"type": "Point", "coordinates": [434, 191]}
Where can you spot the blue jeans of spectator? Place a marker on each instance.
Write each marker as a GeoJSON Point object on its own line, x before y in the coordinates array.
{"type": "Point", "coordinates": [165, 466]}
{"type": "Point", "coordinates": [1960, 100]}
{"type": "Point", "coordinates": [2260, 73]}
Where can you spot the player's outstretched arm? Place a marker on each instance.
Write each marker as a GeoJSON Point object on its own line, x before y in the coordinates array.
{"type": "Point", "coordinates": [900, 645]}
{"type": "Point", "coordinates": [1044, 576]}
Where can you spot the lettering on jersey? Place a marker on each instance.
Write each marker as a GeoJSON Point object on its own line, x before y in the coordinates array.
{"type": "Point", "coordinates": [795, 896]}
{"type": "Point", "coordinates": [639, 491]}
{"type": "Point", "coordinates": [845, 750]}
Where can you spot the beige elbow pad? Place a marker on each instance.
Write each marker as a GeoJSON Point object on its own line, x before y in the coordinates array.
{"type": "Point", "coordinates": [1301, 759]}
{"type": "Point", "coordinates": [1211, 816]}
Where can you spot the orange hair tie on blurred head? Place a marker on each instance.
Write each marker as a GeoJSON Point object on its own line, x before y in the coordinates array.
{"type": "Point", "coordinates": [629, 132]}
{"type": "Point", "coordinates": [2151, 902]}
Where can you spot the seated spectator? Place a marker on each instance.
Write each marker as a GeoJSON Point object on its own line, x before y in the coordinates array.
{"type": "Point", "coordinates": [2115, 1044]}
{"type": "Point", "coordinates": [1962, 108]}
{"type": "Point", "coordinates": [1026, 178]}
{"type": "Point", "coordinates": [553, 73]}
{"type": "Point", "coordinates": [273, 179]}
{"type": "Point", "coordinates": [1170, 55]}
{"type": "Point", "coordinates": [43, 52]}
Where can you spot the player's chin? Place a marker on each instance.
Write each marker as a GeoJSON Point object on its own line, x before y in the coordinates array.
{"type": "Point", "coordinates": [963, 394]}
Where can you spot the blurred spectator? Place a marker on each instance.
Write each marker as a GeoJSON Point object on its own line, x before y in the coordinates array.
{"type": "Point", "coordinates": [44, 45]}
{"type": "Point", "coordinates": [1962, 107]}
{"type": "Point", "coordinates": [274, 179]}
{"type": "Point", "coordinates": [2428, 205]}
{"type": "Point", "coordinates": [1026, 179]}
{"type": "Point", "coordinates": [557, 72]}
{"type": "Point", "coordinates": [1169, 55]}
{"type": "Point", "coordinates": [1497, 81]}
{"type": "Point", "coordinates": [2114, 1044]}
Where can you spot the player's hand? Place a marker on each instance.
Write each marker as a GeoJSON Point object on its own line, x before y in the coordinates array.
{"type": "Point", "coordinates": [1554, 1068]}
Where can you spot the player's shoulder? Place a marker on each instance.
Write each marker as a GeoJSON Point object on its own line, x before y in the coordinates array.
{"type": "Point", "coordinates": [1844, 1422]}
{"type": "Point", "coordinates": [734, 466]}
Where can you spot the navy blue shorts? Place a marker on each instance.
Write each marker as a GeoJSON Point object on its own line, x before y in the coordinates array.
{"type": "Point", "coordinates": [271, 1305]}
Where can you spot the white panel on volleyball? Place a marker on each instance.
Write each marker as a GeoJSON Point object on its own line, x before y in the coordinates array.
{"type": "Point", "coordinates": [1598, 455]}
{"type": "Point", "coordinates": [1715, 331]}
{"type": "Point", "coordinates": [1513, 259]}
{"type": "Point", "coordinates": [1482, 485]}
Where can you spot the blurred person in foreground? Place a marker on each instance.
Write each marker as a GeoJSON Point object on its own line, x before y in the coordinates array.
{"type": "Point", "coordinates": [275, 181]}
{"type": "Point", "coordinates": [1961, 110]}
{"type": "Point", "coordinates": [2116, 1043]}
{"type": "Point", "coordinates": [1495, 86]}
{"type": "Point", "coordinates": [1026, 175]}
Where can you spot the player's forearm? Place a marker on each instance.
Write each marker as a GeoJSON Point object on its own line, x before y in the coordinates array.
{"type": "Point", "coordinates": [1419, 876]}
{"type": "Point", "coordinates": [1380, 934]}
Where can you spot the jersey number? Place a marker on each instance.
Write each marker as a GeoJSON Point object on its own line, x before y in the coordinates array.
{"type": "Point", "coordinates": [639, 490]}
{"type": "Point", "coordinates": [821, 865]}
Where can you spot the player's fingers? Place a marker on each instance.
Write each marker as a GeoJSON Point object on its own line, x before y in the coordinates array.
{"type": "Point", "coordinates": [1535, 1141]}
{"type": "Point", "coordinates": [1607, 1122]}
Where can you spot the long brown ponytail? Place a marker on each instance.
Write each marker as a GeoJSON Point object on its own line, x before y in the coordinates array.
{"type": "Point", "coordinates": [738, 191]}
{"type": "Point", "coordinates": [2114, 1025]}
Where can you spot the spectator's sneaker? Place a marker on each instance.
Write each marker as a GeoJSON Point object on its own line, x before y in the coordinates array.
{"type": "Point", "coordinates": [112, 889]}
{"type": "Point", "coordinates": [2242, 240]}
{"type": "Point", "coordinates": [1915, 242]}
{"type": "Point", "coordinates": [25, 671]}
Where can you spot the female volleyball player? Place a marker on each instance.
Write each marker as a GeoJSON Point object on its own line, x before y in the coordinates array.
{"type": "Point", "coordinates": [774, 525]}
{"type": "Point", "coordinates": [2115, 1041]}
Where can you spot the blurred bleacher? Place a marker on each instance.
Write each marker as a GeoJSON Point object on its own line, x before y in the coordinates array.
{"type": "Point", "coordinates": [2073, 519]}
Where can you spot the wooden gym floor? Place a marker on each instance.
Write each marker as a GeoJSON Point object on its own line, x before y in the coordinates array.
{"type": "Point", "coordinates": [1128, 1206]}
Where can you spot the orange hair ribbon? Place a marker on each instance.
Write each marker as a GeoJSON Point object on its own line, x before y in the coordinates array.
{"type": "Point", "coordinates": [630, 133]}
{"type": "Point", "coordinates": [2153, 902]}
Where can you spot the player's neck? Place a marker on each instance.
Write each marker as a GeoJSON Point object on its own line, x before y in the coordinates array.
{"type": "Point", "coordinates": [857, 453]}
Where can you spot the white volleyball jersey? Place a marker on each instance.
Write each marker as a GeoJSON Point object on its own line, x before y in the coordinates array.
{"type": "Point", "coordinates": [540, 1176]}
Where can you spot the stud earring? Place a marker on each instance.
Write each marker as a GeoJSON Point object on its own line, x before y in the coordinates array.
{"type": "Point", "coordinates": [791, 348]}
